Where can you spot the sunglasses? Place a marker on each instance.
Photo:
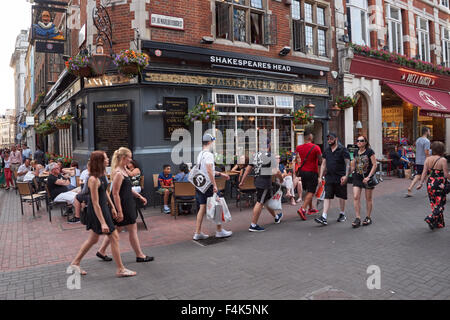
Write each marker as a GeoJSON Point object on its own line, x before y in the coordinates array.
{"type": "Point", "coordinates": [360, 140]}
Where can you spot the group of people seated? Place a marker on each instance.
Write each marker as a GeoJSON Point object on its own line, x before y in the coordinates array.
{"type": "Point", "coordinates": [165, 185]}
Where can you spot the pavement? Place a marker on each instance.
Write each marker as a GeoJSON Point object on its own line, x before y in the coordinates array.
{"type": "Point", "coordinates": [292, 260]}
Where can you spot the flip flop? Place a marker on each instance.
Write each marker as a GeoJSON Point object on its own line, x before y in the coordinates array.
{"type": "Point", "coordinates": [78, 269]}
{"type": "Point", "coordinates": [103, 257]}
{"type": "Point", "coordinates": [125, 273]}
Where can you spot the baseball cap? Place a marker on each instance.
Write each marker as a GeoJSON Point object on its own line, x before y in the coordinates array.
{"type": "Point", "coordinates": [208, 137]}
{"type": "Point", "coordinates": [331, 134]}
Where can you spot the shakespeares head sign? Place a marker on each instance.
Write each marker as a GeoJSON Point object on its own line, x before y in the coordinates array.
{"type": "Point", "coordinates": [44, 24]}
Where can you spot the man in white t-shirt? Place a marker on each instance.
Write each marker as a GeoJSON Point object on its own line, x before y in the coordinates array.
{"type": "Point", "coordinates": [206, 161]}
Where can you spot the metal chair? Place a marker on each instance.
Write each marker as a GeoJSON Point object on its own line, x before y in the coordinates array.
{"type": "Point", "coordinates": [183, 193]}
{"type": "Point", "coordinates": [26, 195]}
{"type": "Point", "coordinates": [248, 190]}
{"type": "Point", "coordinates": [50, 204]}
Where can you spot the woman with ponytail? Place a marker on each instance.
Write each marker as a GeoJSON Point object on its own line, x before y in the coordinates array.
{"type": "Point", "coordinates": [123, 198]}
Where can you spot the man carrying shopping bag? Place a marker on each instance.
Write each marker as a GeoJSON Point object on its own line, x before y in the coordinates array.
{"type": "Point", "coordinates": [205, 163]}
{"type": "Point", "coordinates": [264, 165]}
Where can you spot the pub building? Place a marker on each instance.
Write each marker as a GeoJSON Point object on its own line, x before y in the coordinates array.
{"type": "Point", "coordinates": [394, 103]}
{"type": "Point", "coordinates": [250, 92]}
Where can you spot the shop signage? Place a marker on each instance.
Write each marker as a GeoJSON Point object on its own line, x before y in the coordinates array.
{"type": "Point", "coordinates": [412, 78]}
{"type": "Point", "coordinates": [29, 121]}
{"type": "Point", "coordinates": [433, 114]}
{"type": "Point", "coordinates": [246, 63]}
{"type": "Point", "coordinates": [158, 20]}
{"type": "Point", "coordinates": [107, 81]}
{"type": "Point", "coordinates": [236, 83]}
{"type": "Point", "coordinates": [112, 122]}
{"type": "Point", "coordinates": [176, 110]}
{"type": "Point", "coordinates": [50, 36]}
{"type": "Point", "coordinates": [390, 114]}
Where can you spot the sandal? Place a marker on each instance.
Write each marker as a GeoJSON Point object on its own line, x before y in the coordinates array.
{"type": "Point", "coordinates": [125, 273]}
{"type": "Point", "coordinates": [78, 269]}
{"type": "Point", "coordinates": [367, 221]}
{"type": "Point", "coordinates": [146, 259]}
{"type": "Point", "coordinates": [356, 223]}
{"type": "Point", "coordinates": [430, 223]}
{"type": "Point", "coordinates": [103, 257]}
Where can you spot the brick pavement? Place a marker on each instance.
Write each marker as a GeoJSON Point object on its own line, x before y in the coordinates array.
{"type": "Point", "coordinates": [293, 260]}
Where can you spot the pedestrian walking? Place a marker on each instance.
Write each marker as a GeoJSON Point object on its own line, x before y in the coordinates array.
{"type": "Point", "coordinates": [123, 197]}
{"type": "Point", "coordinates": [336, 164]}
{"type": "Point", "coordinates": [2, 170]}
{"type": "Point", "coordinates": [363, 167]}
{"type": "Point", "coordinates": [422, 152]}
{"type": "Point", "coordinates": [310, 155]}
{"type": "Point", "coordinates": [205, 160]}
{"type": "Point", "coordinates": [16, 159]}
{"type": "Point", "coordinates": [264, 167]}
{"type": "Point", "coordinates": [39, 155]}
{"type": "Point", "coordinates": [7, 171]}
{"type": "Point", "coordinates": [26, 153]}
{"type": "Point", "coordinates": [101, 212]}
{"type": "Point", "coordinates": [436, 167]}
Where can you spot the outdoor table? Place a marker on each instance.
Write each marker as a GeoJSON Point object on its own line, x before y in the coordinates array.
{"type": "Point", "coordinates": [233, 182]}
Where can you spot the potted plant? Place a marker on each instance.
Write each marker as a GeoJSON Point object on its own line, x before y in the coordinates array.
{"type": "Point", "coordinates": [45, 128]}
{"type": "Point", "coordinates": [204, 111]}
{"type": "Point", "coordinates": [301, 117]}
{"type": "Point", "coordinates": [64, 121]}
{"type": "Point", "coordinates": [79, 65]}
{"type": "Point", "coordinates": [345, 102]}
{"type": "Point", "coordinates": [130, 62]}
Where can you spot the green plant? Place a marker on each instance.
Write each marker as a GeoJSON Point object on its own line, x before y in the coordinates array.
{"type": "Point", "coordinates": [77, 62]}
{"type": "Point", "coordinates": [64, 120]}
{"type": "Point", "coordinates": [46, 127]}
{"type": "Point", "coordinates": [128, 58]}
{"type": "Point", "coordinates": [204, 111]}
{"type": "Point", "coordinates": [301, 116]}
{"type": "Point", "coordinates": [345, 102]}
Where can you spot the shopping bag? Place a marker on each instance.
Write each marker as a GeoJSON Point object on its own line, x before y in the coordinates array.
{"type": "Point", "coordinates": [199, 179]}
{"type": "Point", "coordinates": [320, 194]}
{"type": "Point", "coordinates": [211, 207]}
{"type": "Point", "coordinates": [225, 215]}
{"type": "Point", "coordinates": [275, 202]}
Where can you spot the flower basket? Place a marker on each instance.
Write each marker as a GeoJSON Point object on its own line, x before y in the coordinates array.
{"type": "Point", "coordinates": [301, 117]}
{"type": "Point", "coordinates": [346, 102]}
{"type": "Point", "coordinates": [83, 72]}
{"type": "Point", "coordinates": [204, 112]}
{"type": "Point", "coordinates": [63, 126]}
{"type": "Point", "coordinates": [129, 69]}
{"type": "Point", "coordinates": [79, 66]}
{"type": "Point", "coordinates": [64, 121]}
{"type": "Point", "coordinates": [130, 62]}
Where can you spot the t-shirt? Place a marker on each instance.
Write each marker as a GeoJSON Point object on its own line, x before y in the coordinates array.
{"type": "Point", "coordinates": [181, 177]}
{"type": "Point", "coordinates": [204, 158]}
{"type": "Point", "coordinates": [39, 156]}
{"type": "Point", "coordinates": [165, 181]}
{"type": "Point", "coordinates": [335, 162]}
{"type": "Point", "coordinates": [23, 168]}
{"type": "Point", "coordinates": [84, 176]}
{"type": "Point", "coordinates": [73, 180]}
{"type": "Point", "coordinates": [262, 164]}
{"type": "Point", "coordinates": [26, 153]}
{"type": "Point", "coordinates": [312, 163]}
{"type": "Point", "coordinates": [422, 144]}
{"type": "Point", "coordinates": [363, 164]}
{"type": "Point", "coordinates": [55, 189]}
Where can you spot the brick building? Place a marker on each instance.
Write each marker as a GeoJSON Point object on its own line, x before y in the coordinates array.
{"type": "Point", "coordinates": [399, 71]}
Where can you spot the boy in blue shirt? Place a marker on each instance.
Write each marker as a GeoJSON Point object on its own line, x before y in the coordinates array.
{"type": "Point", "coordinates": [165, 184]}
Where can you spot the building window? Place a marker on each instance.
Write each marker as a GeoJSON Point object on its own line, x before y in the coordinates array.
{"type": "Point", "coordinates": [446, 47]}
{"type": "Point", "coordinates": [310, 28]}
{"type": "Point", "coordinates": [244, 21]}
{"type": "Point", "coordinates": [423, 39]}
{"type": "Point", "coordinates": [445, 3]}
{"type": "Point", "coordinates": [395, 32]}
{"type": "Point", "coordinates": [358, 21]}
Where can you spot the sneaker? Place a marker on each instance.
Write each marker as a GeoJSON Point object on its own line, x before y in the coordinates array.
{"type": "Point", "coordinates": [342, 217]}
{"type": "Point", "coordinates": [301, 212]}
{"type": "Point", "coordinates": [299, 200]}
{"type": "Point", "coordinates": [278, 217]}
{"type": "Point", "coordinates": [167, 211]}
{"type": "Point", "coordinates": [200, 236]}
{"type": "Point", "coordinates": [73, 220]}
{"type": "Point", "coordinates": [223, 234]}
{"type": "Point", "coordinates": [312, 211]}
{"type": "Point", "coordinates": [256, 229]}
{"type": "Point", "coordinates": [321, 220]}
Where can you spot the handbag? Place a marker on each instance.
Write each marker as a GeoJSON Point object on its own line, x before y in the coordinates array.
{"type": "Point", "coordinates": [200, 180]}
{"type": "Point", "coordinates": [303, 162]}
{"type": "Point", "coordinates": [275, 202]}
{"type": "Point", "coordinates": [373, 181]}
{"type": "Point", "coordinates": [447, 183]}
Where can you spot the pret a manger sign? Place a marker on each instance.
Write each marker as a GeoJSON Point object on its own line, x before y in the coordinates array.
{"type": "Point", "coordinates": [417, 78]}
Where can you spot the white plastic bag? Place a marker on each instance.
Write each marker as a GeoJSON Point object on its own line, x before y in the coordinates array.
{"type": "Point", "coordinates": [213, 205]}
{"type": "Point", "coordinates": [225, 215]}
{"type": "Point", "coordinates": [275, 202]}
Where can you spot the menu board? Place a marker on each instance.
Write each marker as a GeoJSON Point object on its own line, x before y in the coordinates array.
{"type": "Point", "coordinates": [176, 110]}
{"type": "Point", "coordinates": [112, 126]}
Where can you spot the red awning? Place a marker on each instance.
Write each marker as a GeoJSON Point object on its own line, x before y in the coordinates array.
{"type": "Point", "coordinates": [432, 103]}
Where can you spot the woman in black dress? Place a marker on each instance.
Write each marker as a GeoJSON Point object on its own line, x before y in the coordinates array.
{"type": "Point", "coordinates": [123, 197]}
{"type": "Point", "coordinates": [99, 217]}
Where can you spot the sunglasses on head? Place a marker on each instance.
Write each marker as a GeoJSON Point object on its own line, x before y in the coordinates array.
{"type": "Point", "coordinates": [359, 140]}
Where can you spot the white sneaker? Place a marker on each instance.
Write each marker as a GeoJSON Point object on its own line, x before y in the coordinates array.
{"type": "Point", "coordinates": [200, 236]}
{"type": "Point", "coordinates": [299, 200]}
{"type": "Point", "coordinates": [223, 234]}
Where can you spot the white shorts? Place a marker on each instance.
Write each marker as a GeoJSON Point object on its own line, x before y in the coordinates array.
{"type": "Point", "coordinates": [68, 197]}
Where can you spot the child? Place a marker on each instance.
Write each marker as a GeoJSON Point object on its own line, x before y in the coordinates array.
{"type": "Point", "coordinates": [165, 184]}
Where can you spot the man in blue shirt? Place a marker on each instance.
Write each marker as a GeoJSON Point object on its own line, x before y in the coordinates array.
{"type": "Point", "coordinates": [422, 152]}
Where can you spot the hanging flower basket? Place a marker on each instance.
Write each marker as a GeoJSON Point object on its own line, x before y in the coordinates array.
{"type": "Point", "coordinates": [83, 72]}
{"type": "Point", "coordinates": [301, 117]}
{"type": "Point", "coordinates": [346, 102]}
{"type": "Point", "coordinates": [130, 62]}
{"type": "Point", "coordinates": [204, 112]}
{"type": "Point", "coordinates": [64, 121]}
{"type": "Point", "coordinates": [129, 69]}
{"type": "Point", "coordinates": [79, 66]}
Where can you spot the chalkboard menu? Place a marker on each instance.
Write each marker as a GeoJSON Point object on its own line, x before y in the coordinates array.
{"type": "Point", "coordinates": [176, 109]}
{"type": "Point", "coordinates": [112, 126]}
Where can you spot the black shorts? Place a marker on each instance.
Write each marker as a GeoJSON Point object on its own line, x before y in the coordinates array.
{"type": "Point", "coordinates": [263, 195]}
{"type": "Point", "coordinates": [419, 168]}
{"type": "Point", "coordinates": [358, 181]}
{"type": "Point", "coordinates": [335, 189]}
{"type": "Point", "coordinates": [202, 198]}
{"type": "Point", "coordinates": [83, 197]}
{"type": "Point", "coordinates": [309, 181]}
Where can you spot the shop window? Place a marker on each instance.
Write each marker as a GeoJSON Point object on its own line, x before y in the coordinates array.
{"type": "Point", "coordinates": [395, 32]}
{"type": "Point", "coordinates": [245, 21]}
{"type": "Point", "coordinates": [358, 21]}
{"type": "Point", "coordinates": [309, 30]}
{"type": "Point", "coordinates": [266, 101]}
{"type": "Point", "coordinates": [225, 98]}
{"type": "Point", "coordinates": [446, 47]}
{"type": "Point", "coordinates": [285, 102]}
{"type": "Point", "coordinates": [423, 39]}
{"type": "Point", "coordinates": [246, 99]}
{"type": "Point", "coordinates": [445, 3]}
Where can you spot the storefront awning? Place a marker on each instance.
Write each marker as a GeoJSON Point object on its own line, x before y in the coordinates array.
{"type": "Point", "coordinates": [432, 103]}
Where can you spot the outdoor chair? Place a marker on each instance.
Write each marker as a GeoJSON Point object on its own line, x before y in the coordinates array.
{"type": "Point", "coordinates": [184, 193]}
{"type": "Point", "coordinates": [159, 197]}
{"type": "Point", "coordinates": [51, 203]}
{"type": "Point", "coordinates": [26, 195]}
{"type": "Point", "coordinates": [221, 183]}
{"type": "Point", "coordinates": [15, 175]}
{"type": "Point", "coordinates": [246, 192]}
{"type": "Point", "coordinates": [139, 204]}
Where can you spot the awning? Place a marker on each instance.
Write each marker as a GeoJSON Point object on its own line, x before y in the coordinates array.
{"type": "Point", "coordinates": [432, 103]}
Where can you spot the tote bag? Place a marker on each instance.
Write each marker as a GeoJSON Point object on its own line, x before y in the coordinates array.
{"type": "Point", "coordinates": [199, 179]}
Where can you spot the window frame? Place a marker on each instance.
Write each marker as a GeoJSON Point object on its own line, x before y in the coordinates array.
{"type": "Point", "coordinates": [399, 24]}
{"type": "Point", "coordinates": [423, 34]}
{"type": "Point", "coordinates": [362, 10]}
{"type": "Point", "coordinates": [446, 46]}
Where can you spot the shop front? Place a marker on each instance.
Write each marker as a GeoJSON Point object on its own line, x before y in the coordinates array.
{"type": "Point", "coordinates": [395, 103]}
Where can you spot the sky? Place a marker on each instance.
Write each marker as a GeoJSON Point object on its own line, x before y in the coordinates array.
{"type": "Point", "coordinates": [17, 18]}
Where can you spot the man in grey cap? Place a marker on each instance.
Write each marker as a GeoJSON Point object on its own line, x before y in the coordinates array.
{"type": "Point", "coordinates": [336, 164]}
{"type": "Point", "coordinates": [206, 161]}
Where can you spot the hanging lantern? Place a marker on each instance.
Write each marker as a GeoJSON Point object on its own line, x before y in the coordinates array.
{"type": "Point", "coordinates": [334, 111]}
{"type": "Point", "coordinates": [310, 108]}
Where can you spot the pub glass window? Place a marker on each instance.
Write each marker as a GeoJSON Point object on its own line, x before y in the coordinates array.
{"type": "Point", "coordinates": [358, 21]}
{"type": "Point", "coordinates": [423, 39]}
{"type": "Point", "coordinates": [395, 33]}
{"type": "Point", "coordinates": [310, 27]}
{"type": "Point", "coordinates": [241, 20]}
{"type": "Point", "coordinates": [446, 46]}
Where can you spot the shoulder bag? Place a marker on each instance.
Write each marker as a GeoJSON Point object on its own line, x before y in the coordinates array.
{"type": "Point", "coordinates": [200, 180]}
{"type": "Point", "coordinates": [303, 162]}
{"type": "Point", "coordinates": [447, 183]}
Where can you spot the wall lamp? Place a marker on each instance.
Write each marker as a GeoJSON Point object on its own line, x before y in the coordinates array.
{"type": "Point", "coordinates": [285, 51]}
{"type": "Point", "coordinates": [207, 40]}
